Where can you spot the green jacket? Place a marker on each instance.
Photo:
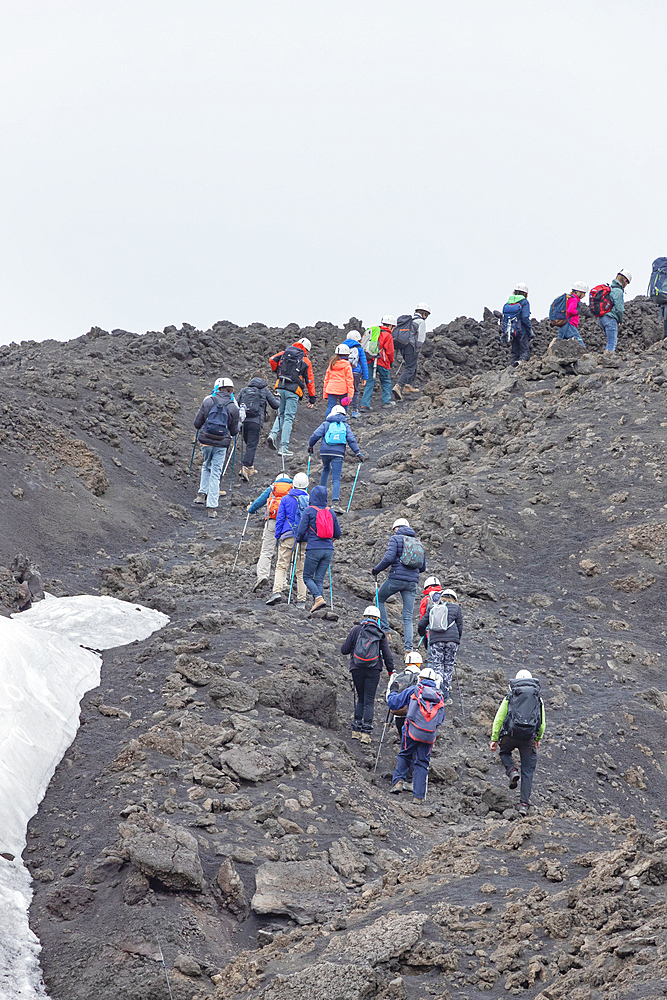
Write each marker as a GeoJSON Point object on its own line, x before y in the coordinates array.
{"type": "Point", "coordinates": [618, 307]}
{"type": "Point", "coordinates": [501, 715]}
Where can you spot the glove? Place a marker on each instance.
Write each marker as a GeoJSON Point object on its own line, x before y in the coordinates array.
{"type": "Point", "coordinates": [374, 572]}
{"type": "Point", "coordinates": [394, 687]}
{"type": "Point", "coordinates": [310, 451]}
{"type": "Point", "coordinates": [345, 401]}
{"type": "Point", "coordinates": [361, 457]}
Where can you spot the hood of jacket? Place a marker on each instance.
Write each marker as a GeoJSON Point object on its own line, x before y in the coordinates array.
{"type": "Point", "coordinates": [404, 530]}
{"type": "Point", "coordinates": [221, 397]}
{"type": "Point", "coordinates": [318, 496]}
{"type": "Point", "coordinates": [301, 348]}
{"type": "Point", "coordinates": [616, 284]}
{"type": "Point", "coordinates": [296, 491]}
{"type": "Point", "coordinates": [260, 383]}
{"type": "Point", "coordinates": [337, 418]}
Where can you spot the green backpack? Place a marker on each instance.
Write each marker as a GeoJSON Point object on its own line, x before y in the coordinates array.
{"type": "Point", "coordinates": [370, 341]}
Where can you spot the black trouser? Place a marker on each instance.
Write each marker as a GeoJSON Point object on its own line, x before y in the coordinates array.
{"type": "Point", "coordinates": [528, 753]}
{"type": "Point", "coordinates": [366, 680]}
{"type": "Point", "coordinates": [521, 347]}
{"type": "Point", "coordinates": [251, 430]}
{"type": "Point", "coordinates": [410, 356]}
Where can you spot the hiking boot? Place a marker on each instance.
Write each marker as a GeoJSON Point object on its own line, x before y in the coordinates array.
{"type": "Point", "coordinates": [365, 409]}
{"type": "Point", "coordinates": [245, 474]}
{"type": "Point", "coordinates": [396, 788]}
{"type": "Point", "coordinates": [523, 808]}
{"type": "Point", "coordinates": [356, 734]}
{"type": "Point", "coordinates": [318, 604]}
{"type": "Point", "coordinates": [396, 391]}
{"type": "Point", "coordinates": [284, 453]}
{"type": "Point", "coordinates": [275, 599]}
{"type": "Point", "coordinates": [251, 470]}
{"type": "Point", "coordinates": [409, 389]}
{"type": "Point", "coordinates": [211, 512]}
{"type": "Point", "coordinates": [514, 776]}
{"type": "Point", "coordinates": [301, 605]}
{"type": "Point", "coordinates": [365, 738]}
{"type": "Point", "coordinates": [260, 583]}
{"type": "Point", "coordinates": [271, 443]}
{"type": "Point", "coordinates": [407, 786]}
{"type": "Point", "coordinates": [199, 499]}
{"type": "Point", "coordinates": [336, 507]}
{"type": "Point", "coordinates": [416, 800]}
{"type": "Point", "coordinates": [388, 406]}
{"type": "Point", "coordinates": [355, 414]}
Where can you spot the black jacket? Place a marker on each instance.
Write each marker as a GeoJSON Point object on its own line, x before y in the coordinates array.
{"type": "Point", "coordinates": [266, 397]}
{"type": "Point", "coordinates": [385, 652]}
{"type": "Point", "coordinates": [232, 420]}
{"type": "Point", "coordinates": [454, 631]}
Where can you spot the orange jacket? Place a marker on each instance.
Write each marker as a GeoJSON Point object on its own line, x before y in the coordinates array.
{"type": "Point", "coordinates": [310, 379]}
{"type": "Point", "coordinates": [339, 380]}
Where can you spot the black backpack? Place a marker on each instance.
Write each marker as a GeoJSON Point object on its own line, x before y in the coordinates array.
{"type": "Point", "coordinates": [216, 422]}
{"type": "Point", "coordinates": [403, 330]}
{"type": "Point", "coordinates": [366, 652]}
{"type": "Point", "coordinates": [252, 399]}
{"type": "Point", "coordinates": [289, 370]}
{"type": "Point", "coordinates": [524, 709]}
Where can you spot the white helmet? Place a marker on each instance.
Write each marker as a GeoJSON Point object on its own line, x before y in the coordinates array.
{"type": "Point", "coordinates": [450, 593]}
{"type": "Point", "coordinates": [223, 383]}
{"type": "Point", "coordinates": [580, 286]}
{"type": "Point", "coordinates": [521, 288]}
{"type": "Point", "coordinates": [432, 582]}
{"type": "Point", "coordinates": [305, 343]}
{"type": "Point", "coordinates": [626, 274]}
{"type": "Point", "coordinates": [413, 659]}
{"type": "Point", "coordinates": [301, 481]}
{"type": "Point", "coordinates": [523, 675]}
{"type": "Point", "coordinates": [337, 410]}
{"type": "Point", "coordinates": [283, 478]}
{"type": "Point", "coordinates": [353, 335]}
{"type": "Point", "coordinates": [400, 522]}
{"type": "Point", "coordinates": [342, 349]}
{"type": "Point", "coordinates": [388, 321]}
{"type": "Point", "coordinates": [427, 674]}
{"type": "Point", "coordinates": [422, 307]}
{"type": "Point", "coordinates": [371, 611]}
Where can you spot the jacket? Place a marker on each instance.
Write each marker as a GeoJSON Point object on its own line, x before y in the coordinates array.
{"type": "Point", "coordinates": [207, 440]}
{"type": "Point", "coordinates": [361, 368]}
{"type": "Point", "coordinates": [306, 377]}
{"type": "Point", "coordinates": [618, 303]}
{"type": "Point", "coordinates": [525, 326]}
{"type": "Point", "coordinates": [397, 700]}
{"type": "Point", "coordinates": [334, 449]}
{"type": "Point", "coordinates": [572, 309]}
{"type": "Point", "coordinates": [392, 557]}
{"type": "Point", "coordinates": [307, 527]}
{"type": "Point", "coordinates": [266, 397]}
{"type": "Point", "coordinates": [385, 358]}
{"type": "Point", "coordinates": [427, 592]}
{"type": "Point", "coordinates": [501, 715]}
{"type": "Point", "coordinates": [286, 518]}
{"type": "Point", "coordinates": [338, 379]}
{"type": "Point", "coordinates": [454, 630]}
{"type": "Point", "coordinates": [419, 330]}
{"type": "Point", "coordinates": [270, 495]}
{"type": "Point", "coordinates": [385, 651]}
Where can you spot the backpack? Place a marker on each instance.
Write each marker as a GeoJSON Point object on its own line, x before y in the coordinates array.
{"type": "Point", "coordinates": [524, 709]}
{"type": "Point", "coordinates": [657, 286]}
{"type": "Point", "coordinates": [366, 652]}
{"type": "Point", "coordinates": [438, 619]}
{"type": "Point", "coordinates": [301, 505]}
{"type": "Point", "coordinates": [336, 432]}
{"type": "Point", "coordinates": [558, 310]}
{"type": "Point", "coordinates": [403, 330]}
{"type": "Point", "coordinates": [412, 555]}
{"type": "Point", "coordinates": [423, 707]}
{"type": "Point", "coordinates": [278, 491]}
{"type": "Point", "coordinates": [324, 526]}
{"type": "Point", "coordinates": [600, 300]}
{"type": "Point", "coordinates": [510, 324]}
{"type": "Point", "coordinates": [370, 342]}
{"type": "Point", "coordinates": [251, 398]}
{"type": "Point", "coordinates": [216, 421]}
{"type": "Point", "coordinates": [289, 368]}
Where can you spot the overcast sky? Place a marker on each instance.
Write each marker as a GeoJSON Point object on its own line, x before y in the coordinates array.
{"type": "Point", "coordinates": [170, 160]}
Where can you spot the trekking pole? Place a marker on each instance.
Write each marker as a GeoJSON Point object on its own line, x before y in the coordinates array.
{"type": "Point", "coordinates": [240, 540]}
{"type": "Point", "coordinates": [228, 458]}
{"type": "Point", "coordinates": [456, 673]}
{"type": "Point", "coordinates": [384, 730]}
{"type": "Point", "coordinates": [353, 487]}
{"type": "Point", "coordinates": [231, 478]}
{"type": "Point", "coordinates": [330, 587]}
{"type": "Point", "coordinates": [165, 969]}
{"type": "Point", "coordinates": [295, 556]}
{"type": "Point", "coordinates": [377, 598]}
{"type": "Point", "coordinates": [308, 469]}
{"type": "Point", "coordinates": [192, 457]}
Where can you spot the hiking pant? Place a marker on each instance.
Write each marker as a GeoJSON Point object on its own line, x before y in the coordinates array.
{"type": "Point", "coordinates": [528, 753]}
{"type": "Point", "coordinates": [268, 548]}
{"type": "Point", "coordinates": [385, 382]}
{"type": "Point", "coordinates": [520, 344]}
{"type": "Point", "coordinates": [410, 354]}
{"type": "Point", "coordinates": [251, 429]}
{"type": "Point", "coordinates": [211, 470]}
{"type": "Point", "coordinates": [333, 401]}
{"type": "Point", "coordinates": [284, 567]}
{"type": "Point", "coordinates": [419, 755]}
{"type": "Point", "coordinates": [335, 464]}
{"type": "Point", "coordinates": [441, 657]}
{"type": "Point", "coordinates": [355, 398]}
{"type": "Point", "coordinates": [408, 592]}
{"type": "Point", "coordinates": [366, 680]}
{"type": "Point", "coordinates": [315, 566]}
{"type": "Point", "coordinates": [609, 327]}
{"type": "Point", "coordinates": [569, 332]}
{"type": "Point", "coordinates": [663, 317]}
{"type": "Point", "coordinates": [282, 425]}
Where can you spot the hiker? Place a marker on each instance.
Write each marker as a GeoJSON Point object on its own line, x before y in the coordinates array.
{"type": "Point", "coordinates": [406, 678]}
{"type": "Point", "coordinates": [254, 398]}
{"type": "Point", "coordinates": [217, 422]}
{"type": "Point", "coordinates": [318, 526]}
{"type": "Point", "coordinates": [368, 649]}
{"type": "Point", "coordinates": [271, 496]}
{"type": "Point", "coordinates": [357, 359]}
{"type": "Point", "coordinates": [519, 725]}
{"type": "Point", "coordinates": [607, 304]}
{"type": "Point", "coordinates": [432, 586]}
{"type": "Point", "coordinates": [378, 346]}
{"type": "Point", "coordinates": [516, 326]}
{"type": "Point", "coordinates": [295, 374]}
{"type": "Point", "coordinates": [338, 379]}
{"type": "Point", "coordinates": [336, 434]}
{"type": "Point", "coordinates": [442, 627]}
{"type": "Point", "coordinates": [405, 555]}
{"type": "Point", "coordinates": [425, 712]}
{"type": "Point", "coordinates": [657, 289]}
{"type": "Point", "coordinates": [566, 312]}
{"type": "Point", "coordinates": [409, 338]}
{"type": "Point", "coordinates": [290, 509]}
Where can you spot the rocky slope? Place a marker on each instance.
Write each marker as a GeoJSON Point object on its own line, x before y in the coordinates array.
{"type": "Point", "coordinates": [213, 804]}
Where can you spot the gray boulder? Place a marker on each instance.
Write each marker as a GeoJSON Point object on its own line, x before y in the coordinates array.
{"type": "Point", "coordinates": [300, 696]}
{"type": "Point", "coordinates": [163, 852]}
{"type": "Point", "coordinates": [307, 891]}
{"type": "Point", "coordinates": [254, 764]}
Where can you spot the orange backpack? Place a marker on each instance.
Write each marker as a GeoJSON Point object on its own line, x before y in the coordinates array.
{"type": "Point", "coordinates": [278, 491]}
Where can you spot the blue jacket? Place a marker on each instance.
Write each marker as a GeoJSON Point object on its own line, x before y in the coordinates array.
{"type": "Point", "coordinates": [392, 557]}
{"type": "Point", "coordinates": [361, 368]}
{"type": "Point", "coordinates": [337, 450]}
{"type": "Point", "coordinates": [399, 699]}
{"type": "Point", "coordinates": [308, 523]}
{"type": "Point", "coordinates": [286, 518]}
{"type": "Point", "coordinates": [261, 500]}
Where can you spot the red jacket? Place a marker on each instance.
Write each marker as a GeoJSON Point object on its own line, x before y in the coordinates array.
{"type": "Point", "coordinates": [424, 600]}
{"type": "Point", "coordinates": [385, 358]}
{"type": "Point", "coordinates": [310, 379]}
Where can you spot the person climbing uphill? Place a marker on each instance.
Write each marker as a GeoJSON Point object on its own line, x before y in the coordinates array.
{"type": "Point", "coordinates": [406, 678]}
{"type": "Point", "coordinates": [409, 338]}
{"type": "Point", "coordinates": [607, 304]}
{"type": "Point", "coordinates": [368, 649]}
{"type": "Point", "coordinates": [295, 374]}
{"type": "Point", "coordinates": [442, 627]}
{"type": "Point", "coordinates": [378, 345]}
{"type": "Point", "coordinates": [271, 496]}
{"type": "Point", "coordinates": [425, 712]}
{"type": "Point", "coordinates": [290, 509]}
{"type": "Point", "coordinates": [432, 586]}
{"type": "Point", "coordinates": [335, 434]}
{"type": "Point", "coordinates": [516, 326]}
{"type": "Point", "coordinates": [519, 725]}
{"type": "Point", "coordinates": [567, 308]}
{"type": "Point", "coordinates": [217, 422]}
{"type": "Point", "coordinates": [255, 397]}
{"type": "Point", "coordinates": [357, 359]}
{"type": "Point", "coordinates": [318, 527]}
{"type": "Point", "coordinates": [338, 379]}
{"type": "Point", "coordinates": [405, 556]}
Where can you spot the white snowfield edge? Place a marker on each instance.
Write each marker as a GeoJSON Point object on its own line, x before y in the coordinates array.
{"type": "Point", "coordinates": [44, 673]}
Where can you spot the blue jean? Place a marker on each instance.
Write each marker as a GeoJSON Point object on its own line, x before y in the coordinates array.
{"type": "Point", "coordinates": [211, 470]}
{"type": "Point", "coordinates": [408, 592]}
{"type": "Point", "coordinates": [315, 566]}
{"type": "Point", "coordinates": [385, 382]}
{"type": "Point", "coordinates": [333, 401]}
{"type": "Point", "coordinates": [335, 464]}
{"type": "Point", "coordinates": [569, 332]}
{"type": "Point", "coordinates": [609, 327]}
{"type": "Point", "coordinates": [419, 755]}
{"type": "Point", "coordinates": [289, 402]}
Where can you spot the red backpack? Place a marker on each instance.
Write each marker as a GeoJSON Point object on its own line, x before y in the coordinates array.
{"type": "Point", "coordinates": [324, 525]}
{"type": "Point", "coordinates": [600, 300]}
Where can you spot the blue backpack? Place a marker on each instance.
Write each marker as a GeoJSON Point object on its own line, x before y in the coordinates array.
{"type": "Point", "coordinates": [558, 310]}
{"type": "Point", "coordinates": [511, 321]}
{"type": "Point", "coordinates": [657, 286]}
{"type": "Point", "coordinates": [216, 421]}
{"type": "Point", "coordinates": [336, 432]}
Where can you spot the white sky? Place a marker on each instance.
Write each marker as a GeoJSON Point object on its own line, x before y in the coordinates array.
{"type": "Point", "coordinates": [170, 160]}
